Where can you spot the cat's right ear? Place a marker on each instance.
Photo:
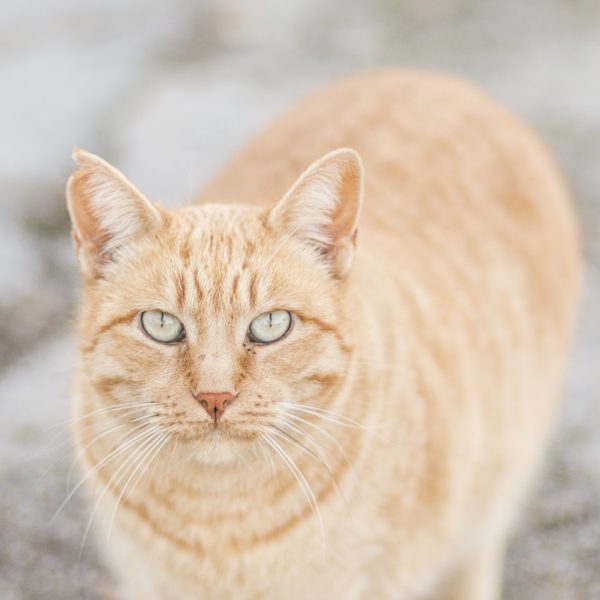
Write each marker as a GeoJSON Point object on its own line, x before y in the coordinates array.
{"type": "Point", "coordinates": [106, 210]}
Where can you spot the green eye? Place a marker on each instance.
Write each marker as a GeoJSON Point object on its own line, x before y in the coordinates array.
{"type": "Point", "coordinates": [270, 327]}
{"type": "Point", "coordinates": [161, 326]}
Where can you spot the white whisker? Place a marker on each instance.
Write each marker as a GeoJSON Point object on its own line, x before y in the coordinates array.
{"type": "Point", "coordinates": [65, 424]}
{"type": "Point", "coordinates": [268, 457]}
{"type": "Point", "coordinates": [320, 430]}
{"type": "Point", "coordinates": [333, 417]}
{"type": "Point", "coordinates": [301, 480]}
{"type": "Point", "coordinates": [324, 414]}
{"type": "Point", "coordinates": [118, 450]}
{"type": "Point", "coordinates": [101, 435]}
{"type": "Point", "coordinates": [286, 436]}
{"type": "Point", "coordinates": [319, 458]}
{"type": "Point", "coordinates": [124, 494]}
{"type": "Point", "coordinates": [147, 441]}
{"type": "Point", "coordinates": [100, 411]}
{"type": "Point", "coordinates": [81, 450]}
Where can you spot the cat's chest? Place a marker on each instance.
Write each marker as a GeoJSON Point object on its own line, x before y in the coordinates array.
{"type": "Point", "coordinates": [195, 558]}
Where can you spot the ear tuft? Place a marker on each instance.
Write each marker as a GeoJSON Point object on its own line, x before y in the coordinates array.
{"type": "Point", "coordinates": [323, 206]}
{"type": "Point", "coordinates": [106, 210]}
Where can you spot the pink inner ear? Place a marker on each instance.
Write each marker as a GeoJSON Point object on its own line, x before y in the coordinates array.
{"type": "Point", "coordinates": [107, 211]}
{"type": "Point", "coordinates": [86, 225]}
{"type": "Point", "coordinates": [323, 206]}
{"type": "Point", "coordinates": [324, 203]}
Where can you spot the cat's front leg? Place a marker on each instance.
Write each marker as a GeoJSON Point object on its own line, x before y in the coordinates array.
{"type": "Point", "coordinates": [479, 578]}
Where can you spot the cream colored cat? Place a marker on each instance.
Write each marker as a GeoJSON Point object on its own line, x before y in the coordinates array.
{"type": "Point", "coordinates": [264, 411]}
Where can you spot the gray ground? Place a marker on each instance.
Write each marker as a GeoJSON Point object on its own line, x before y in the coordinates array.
{"type": "Point", "coordinates": [166, 90]}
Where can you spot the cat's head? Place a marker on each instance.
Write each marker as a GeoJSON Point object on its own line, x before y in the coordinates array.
{"type": "Point", "coordinates": [213, 322]}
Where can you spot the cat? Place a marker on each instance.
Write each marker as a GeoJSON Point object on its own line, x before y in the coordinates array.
{"type": "Point", "coordinates": [284, 394]}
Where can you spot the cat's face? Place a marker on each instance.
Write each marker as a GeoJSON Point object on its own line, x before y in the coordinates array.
{"type": "Point", "coordinates": [209, 323]}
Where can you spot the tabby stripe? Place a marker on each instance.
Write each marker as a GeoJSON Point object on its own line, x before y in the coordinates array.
{"type": "Point", "coordinates": [235, 545]}
{"type": "Point", "coordinates": [106, 327]}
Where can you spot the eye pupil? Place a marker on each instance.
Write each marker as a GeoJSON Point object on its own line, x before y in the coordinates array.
{"type": "Point", "coordinates": [270, 327]}
{"type": "Point", "coordinates": [161, 326]}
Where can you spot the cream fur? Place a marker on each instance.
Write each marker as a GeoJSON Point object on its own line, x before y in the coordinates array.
{"type": "Point", "coordinates": [437, 347]}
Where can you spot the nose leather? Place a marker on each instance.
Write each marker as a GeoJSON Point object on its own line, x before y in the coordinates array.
{"type": "Point", "coordinates": [215, 403]}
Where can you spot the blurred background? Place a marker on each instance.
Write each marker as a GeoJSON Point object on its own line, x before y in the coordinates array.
{"type": "Point", "coordinates": [166, 90]}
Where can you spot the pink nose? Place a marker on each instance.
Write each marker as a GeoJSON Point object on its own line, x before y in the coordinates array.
{"type": "Point", "coordinates": [215, 403]}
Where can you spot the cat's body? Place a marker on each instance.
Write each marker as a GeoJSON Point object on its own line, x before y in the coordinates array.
{"type": "Point", "coordinates": [445, 341]}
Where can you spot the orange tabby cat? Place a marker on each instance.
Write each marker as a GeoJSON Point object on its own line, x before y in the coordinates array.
{"type": "Point", "coordinates": [268, 406]}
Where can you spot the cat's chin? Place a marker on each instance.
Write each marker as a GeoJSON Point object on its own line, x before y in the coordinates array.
{"type": "Point", "coordinates": [221, 448]}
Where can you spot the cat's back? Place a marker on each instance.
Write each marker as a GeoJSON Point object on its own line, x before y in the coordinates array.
{"type": "Point", "coordinates": [425, 139]}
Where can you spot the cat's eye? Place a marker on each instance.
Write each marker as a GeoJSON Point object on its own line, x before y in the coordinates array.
{"type": "Point", "coordinates": [162, 326]}
{"type": "Point", "coordinates": [270, 326]}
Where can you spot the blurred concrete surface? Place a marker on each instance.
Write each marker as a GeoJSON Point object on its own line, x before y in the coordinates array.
{"type": "Point", "coordinates": [166, 90]}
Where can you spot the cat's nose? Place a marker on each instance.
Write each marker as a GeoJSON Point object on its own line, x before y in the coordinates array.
{"type": "Point", "coordinates": [215, 403]}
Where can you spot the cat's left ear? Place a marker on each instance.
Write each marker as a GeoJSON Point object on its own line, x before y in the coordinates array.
{"type": "Point", "coordinates": [107, 212]}
{"type": "Point", "coordinates": [322, 208]}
